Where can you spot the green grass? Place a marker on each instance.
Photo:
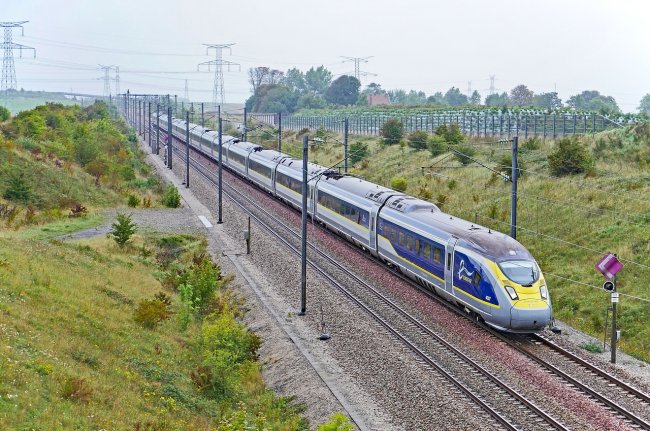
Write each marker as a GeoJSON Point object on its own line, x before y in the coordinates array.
{"type": "Point", "coordinates": [606, 211]}
{"type": "Point", "coordinates": [58, 228]}
{"type": "Point", "coordinates": [73, 357]}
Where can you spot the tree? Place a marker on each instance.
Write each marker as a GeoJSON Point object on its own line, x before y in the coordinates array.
{"type": "Point", "coordinates": [273, 98]}
{"type": "Point", "coordinates": [592, 100]}
{"type": "Point", "coordinates": [295, 80]}
{"type": "Point", "coordinates": [475, 98]}
{"type": "Point", "coordinates": [318, 80]}
{"type": "Point", "coordinates": [497, 100]}
{"type": "Point", "coordinates": [123, 229]}
{"type": "Point", "coordinates": [437, 99]}
{"type": "Point", "coordinates": [521, 96]}
{"type": "Point", "coordinates": [570, 157]}
{"type": "Point", "coordinates": [374, 88]}
{"type": "Point", "coordinates": [357, 152]}
{"type": "Point", "coordinates": [4, 114]}
{"type": "Point", "coordinates": [398, 97]}
{"type": "Point", "coordinates": [644, 106]}
{"type": "Point", "coordinates": [17, 188]}
{"type": "Point", "coordinates": [344, 90]}
{"type": "Point", "coordinates": [392, 131]}
{"type": "Point", "coordinates": [418, 140]}
{"type": "Point", "coordinates": [256, 76]}
{"type": "Point", "coordinates": [311, 101]}
{"type": "Point", "coordinates": [454, 97]}
{"type": "Point", "coordinates": [547, 100]}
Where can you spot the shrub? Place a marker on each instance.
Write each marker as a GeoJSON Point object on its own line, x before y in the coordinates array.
{"type": "Point", "coordinates": [418, 140]}
{"type": "Point", "coordinates": [399, 183]}
{"type": "Point", "coordinates": [505, 165]}
{"type": "Point", "coordinates": [338, 422]}
{"type": "Point", "coordinates": [357, 152]}
{"type": "Point", "coordinates": [463, 154]}
{"type": "Point", "coordinates": [76, 389]}
{"type": "Point", "coordinates": [150, 312]}
{"type": "Point", "coordinates": [392, 131]}
{"type": "Point", "coordinates": [437, 145]}
{"type": "Point", "coordinates": [441, 200]}
{"type": "Point", "coordinates": [133, 201]}
{"type": "Point", "coordinates": [4, 113]}
{"type": "Point", "coordinates": [17, 189]}
{"type": "Point", "coordinates": [531, 144]}
{"type": "Point", "coordinates": [570, 157]}
{"type": "Point", "coordinates": [171, 198]}
{"type": "Point", "coordinates": [123, 229]}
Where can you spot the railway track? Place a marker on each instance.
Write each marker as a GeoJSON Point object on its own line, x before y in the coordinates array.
{"type": "Point", "coordinates": [507, 408]}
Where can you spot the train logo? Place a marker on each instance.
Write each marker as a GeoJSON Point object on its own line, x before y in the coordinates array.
{"type": "Point", "coordinates": [463, 273]}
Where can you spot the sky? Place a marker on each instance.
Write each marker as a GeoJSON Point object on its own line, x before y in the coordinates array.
{"type": "Point", "coordinates": [565, 46]}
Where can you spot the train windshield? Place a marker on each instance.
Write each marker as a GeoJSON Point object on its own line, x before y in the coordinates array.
{"type": "Point", "coordinates": [524, 272]}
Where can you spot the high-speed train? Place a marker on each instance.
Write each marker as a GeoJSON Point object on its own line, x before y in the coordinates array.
{"type": "Point", "coordinates": [487, 273]}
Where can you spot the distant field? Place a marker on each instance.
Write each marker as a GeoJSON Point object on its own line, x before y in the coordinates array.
{"type": "Point", "coordinates": [23, 101]}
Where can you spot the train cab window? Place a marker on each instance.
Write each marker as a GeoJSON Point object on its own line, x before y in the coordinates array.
{"type": "Point", "coordinates": [409, 242]}
{"type": "Point", "coordinates": [427, 250]}
{"type": "Point", "coordinates": [477, 278]}
{"type": "Point", "coordinates": [402, 239]}
{"type": "Point", "coordinates": [436, 255]}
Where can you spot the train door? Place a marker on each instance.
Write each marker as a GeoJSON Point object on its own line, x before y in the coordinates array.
{"type": "Point", "coordinates": [372, 244]}
{"type": "Point", "coordinates": [449, 265]}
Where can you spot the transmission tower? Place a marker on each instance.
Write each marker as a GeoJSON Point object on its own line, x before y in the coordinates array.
{"type": "Point", "coordinates": [218, 63]}
{"type": "Point", "coordinates": [117, 80]}
{"type": "Point", "coordinates": [9, 81]}
{"type": "Point", "coordinates": [492, 89]}
{"type": "Point", "coordinates": [469, 88]}
{"type": "Point", "coordinates": [358, 73]}
{"type": "Point", "coordinates": [107, 79]}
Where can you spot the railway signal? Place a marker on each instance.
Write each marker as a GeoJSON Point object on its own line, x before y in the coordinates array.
{"type": "Point", "coordinates": [609, 266]}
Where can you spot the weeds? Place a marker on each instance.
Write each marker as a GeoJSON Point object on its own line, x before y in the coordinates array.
{"type": "Point", "coordinates": [76, 389]}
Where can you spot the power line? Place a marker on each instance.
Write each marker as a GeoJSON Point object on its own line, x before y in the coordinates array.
{"type": "Point", "coordinates": [9, 81]}
{"type": "Point", "coordinates": [218, 63]}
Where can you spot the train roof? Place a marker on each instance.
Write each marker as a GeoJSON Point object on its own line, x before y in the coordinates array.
{"type": "Point", "coordinates": [360, 187]}
{"type": "Point", "coordinates": [494, 244]}
{"type": "Point", "coordinates": [270, 155]}
{"type": "Point", "coordinates": [296, 165]}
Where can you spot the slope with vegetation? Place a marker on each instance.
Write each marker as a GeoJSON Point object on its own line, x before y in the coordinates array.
{"type": "Point", "coordinates": [126, 331]}
{"type": "Point", "coordinates": [578, 197]}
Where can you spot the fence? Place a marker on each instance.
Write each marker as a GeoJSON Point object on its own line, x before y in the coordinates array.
{"type": "Point", "coordinates": [473, 124]}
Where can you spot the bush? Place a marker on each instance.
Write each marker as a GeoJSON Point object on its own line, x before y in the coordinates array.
{"type": "Point", "coordinates": [392, 131]}
{"type": "Point", "coordinates": [505, 165]}
{"type": "Point", "coordinates": [17, 189]}
{"type": "Point", "coordinates": [357, 152]}
{"type": "Point", "coordinates": [4, 114]}
{"type": "Point", "coordinates": [418, 140]}
{"type": "Point", "coordinates": [570, 157]}
{"type": "Point", "coordinates": [123, 229]}
{"type": "Point", "coordinates": [531, 144]}
{"type": "Point", "coordinates": [171, 198]}
{"type": "Point", "coordinates": [338, 422]}
{"type": "Point", "coordinates": [437, 145]}
{"type": "Point", "coordinates": [464, 152]}
{"type": "Point", "coordinates": [451, 134]}
{"type": "Point", "coordinates": [150, 312]}
{"type": "Point", "coordinates": [133, 201]}
{"type": "Point", "coordinates": [399, 183]}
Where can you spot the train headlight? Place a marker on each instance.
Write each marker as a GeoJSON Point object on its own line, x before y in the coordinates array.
{"type": "Point", "coordinates": [513, 294]}
{"type": "Point", "coordinates": [543, 291]}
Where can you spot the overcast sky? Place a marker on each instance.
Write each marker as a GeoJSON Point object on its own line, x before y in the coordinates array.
{"type": "Point", "coordinates": [569, 45]}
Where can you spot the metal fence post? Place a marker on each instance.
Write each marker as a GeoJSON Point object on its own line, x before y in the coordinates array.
{"type": "Point", "coordinates": [187, 149]}
{"type": "Point", "coordinates": [303, 248]}
{"type": "Point", "coordinates": [513, 198]}
{"type": "Point", "coordinates": [170, 137]}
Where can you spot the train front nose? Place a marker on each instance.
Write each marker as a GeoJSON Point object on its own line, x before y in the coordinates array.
{"type": "Point", "coordinates": [530, 315]}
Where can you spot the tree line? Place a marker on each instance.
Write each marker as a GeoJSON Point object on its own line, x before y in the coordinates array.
{"type": "Point", "coordinates": [277, 91]}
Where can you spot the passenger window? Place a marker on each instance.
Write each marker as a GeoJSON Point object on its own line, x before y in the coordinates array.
{"type": "Point", "coordinates": [402, 239]}
{"type": "Point", "coordinates": [427, 250]}
{"type": "Point", "coordinates": [418, 248]}
{"type": "Point", "coordinates": [436, 255]}
{"type": "Point", "coordinates": [409, 242]}
{"type": "Point", "coordinates": [477, 278]}
{"type": "Point", "coordinates": [393, 234]}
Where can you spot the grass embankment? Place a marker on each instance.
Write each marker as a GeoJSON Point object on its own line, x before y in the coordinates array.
{"type": "Point", "coordinates": [93, 340]}
{"type": "Point", "coordinates": [67, 162]}
{"type": "Point", "coordinates": [607, 209]}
